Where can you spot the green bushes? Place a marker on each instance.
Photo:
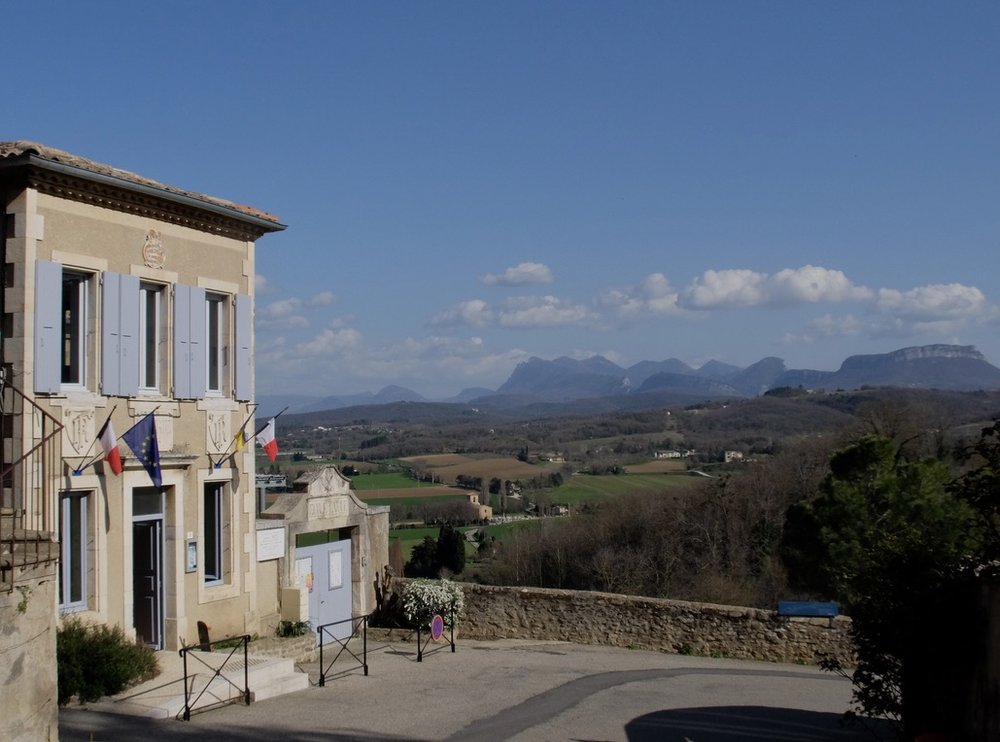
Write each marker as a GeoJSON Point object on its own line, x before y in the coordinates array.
{"type": "Point", "coordinates": [288, 629]}
{"type": "Point", "coordinates": [96, 661]}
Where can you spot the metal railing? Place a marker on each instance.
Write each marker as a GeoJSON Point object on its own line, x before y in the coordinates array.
{"type": "Point", "coordinates": [244, 692]}
{"type": "Point", "coordinates": [358, 624]}
{"type": "Point", "coordinates": [30, 456]}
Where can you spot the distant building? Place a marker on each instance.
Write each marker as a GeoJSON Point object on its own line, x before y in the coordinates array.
{"type": "Point", "coordinates": [669, 454]}
{"type": "Point", "coordinates": [733, 456]}
{"type": "Point", "coordinates": [483, 512]}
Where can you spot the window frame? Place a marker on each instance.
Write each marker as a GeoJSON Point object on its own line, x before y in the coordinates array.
{"type": "Point", "coordinates": [79, 310]}
{"type": "Point", "coordinates": [74, 552]}
{"type": "Point", "coordinates": [216, 344]}
{"type": "Point", "coordinates": [214, 515]}
{"type": "Point", "coordinates": [151, 298]}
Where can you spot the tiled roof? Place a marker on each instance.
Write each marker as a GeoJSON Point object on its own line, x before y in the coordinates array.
{"type": "Point", "coordinates": [21, 147]}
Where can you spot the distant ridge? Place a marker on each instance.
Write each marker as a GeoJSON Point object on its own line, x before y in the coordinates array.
{"type": "Point", "coordinates": [596, 383]}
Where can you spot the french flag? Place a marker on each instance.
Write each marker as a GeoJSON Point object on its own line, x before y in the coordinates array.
{"type": "Point", "coordinates": [109, 442]}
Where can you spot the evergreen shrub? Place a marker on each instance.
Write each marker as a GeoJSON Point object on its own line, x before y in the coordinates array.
{"type": "Point", "coordinates": [97, 661]}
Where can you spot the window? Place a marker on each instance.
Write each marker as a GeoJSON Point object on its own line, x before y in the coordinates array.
{"type": "Point", "coordinates": [215, 532]}
{"type": "Point", "coordinates": [64, 320]}
{"type": "Point", "coordinates": [150, 298]}
{"type": "Point", "coordinates": [74, 328]}
{"type": "Point", "coordinates": [215, 342]}
{"type": "Point", "coordinates": [73, 535]}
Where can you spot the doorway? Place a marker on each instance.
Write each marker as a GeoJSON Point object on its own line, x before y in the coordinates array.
{"type": "Point", "coordinates": [325, 571]}
{"type": "Point", "coordinates": [147, 566]}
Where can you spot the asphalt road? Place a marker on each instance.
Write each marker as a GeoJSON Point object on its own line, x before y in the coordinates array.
{"type": "Point", "coordinates": [523, 691]}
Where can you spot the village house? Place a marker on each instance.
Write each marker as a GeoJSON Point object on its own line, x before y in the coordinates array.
{"type": "Point", "coordinates": [127, 317]}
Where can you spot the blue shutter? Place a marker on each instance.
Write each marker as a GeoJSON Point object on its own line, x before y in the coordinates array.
{"type": "Point", "coordinates": [128, 303]}
{"type": "Point", "coordinates": [120, 335]}
{"type": "Point", "coordinates": [196, 347]}
{"type": "Point", "coordinates": [182, 339]}
{"type": "Point", "coordinates": [110, 331]}
{"type": "Point", "coordinates": [48, 315]}
{"type": "Point", "coordinates": [190, 367]}
{"type": "Point", "coordinates": [244, 360]}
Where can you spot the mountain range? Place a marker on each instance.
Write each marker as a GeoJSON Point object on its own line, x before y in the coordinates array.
{"type": "Point", "coordinates": [597, 383]}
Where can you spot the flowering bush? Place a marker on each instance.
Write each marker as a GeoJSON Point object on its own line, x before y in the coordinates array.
{"type": "Point", "coordinates": [422, 599]}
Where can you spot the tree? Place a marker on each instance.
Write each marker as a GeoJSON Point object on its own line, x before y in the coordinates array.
{"type": "Point", "coordinates": [423, 560]}
{"type": "Point", "coordinates": [889, 539]}
{"type": "Point", "coordinates": [451, 549]}
{"type": "Point", "coordinates": [431, 555]}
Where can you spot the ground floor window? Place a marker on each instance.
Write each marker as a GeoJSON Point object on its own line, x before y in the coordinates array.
{"type": "Point", "coordinates": [73, 537]}
{"type": "Point", "coordinates": [215, 533]}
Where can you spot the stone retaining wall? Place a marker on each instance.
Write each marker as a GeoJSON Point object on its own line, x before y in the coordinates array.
{"type": "Point", "coordinates": [649, 623]}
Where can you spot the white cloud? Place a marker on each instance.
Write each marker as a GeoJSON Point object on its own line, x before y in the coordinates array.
{"type": "Point", "coordinates": [737, 288]}
{"type": "Point", "coordinates": [541, 311]}
{"type": "Point", "coordinates": [829, 326]}
{"type": "Point", "coordinates": [260, 284]}
{"type": "Point", "coordinates": [813, 284]}
{"type": "Point", "coordinates": [329, 342]}
{"type": "Point", "coordinates": [521, 274]}
{"type": "Point", "coordinates": [473, 313]}
{"type": "Point", "coordinates": [322, 299]}
{"type": "Point", "coordinates": [654, 295]}
{"type": "Point", "coordinates": [826, 327]}
{"type": "Point", "coordinates": [281, 314]}
{"type": "Point", "coordinates": [934, 303]}
{"type": "Point", "coordinates": [746, 288]}
{"type": "Point", "coordinates": [280, 309]}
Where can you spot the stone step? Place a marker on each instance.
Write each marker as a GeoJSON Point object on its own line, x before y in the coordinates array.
{"type": "Point", "coordinates": [163, 697]}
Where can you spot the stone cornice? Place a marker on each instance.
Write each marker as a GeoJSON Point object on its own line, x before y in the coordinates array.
{"type": "Point", "coordinates": [78, 184]}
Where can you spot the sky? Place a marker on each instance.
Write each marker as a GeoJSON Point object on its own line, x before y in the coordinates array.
{"type": "Point", "coordinates": [469, 184]}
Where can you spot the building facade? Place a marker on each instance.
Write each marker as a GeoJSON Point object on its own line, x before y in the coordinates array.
{"type": "Point", "coordinates": [124, 298]}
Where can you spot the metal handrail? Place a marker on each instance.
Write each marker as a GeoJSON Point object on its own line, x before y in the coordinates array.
{"type": "Point", "coordinates": [362, 622]}
{"type": "Point", "coordinates": [217, 672]}
{"type": "Point", "coordinates": [28, 481]}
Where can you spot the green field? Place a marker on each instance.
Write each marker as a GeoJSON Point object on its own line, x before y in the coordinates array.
{"type": "Point", "coordinates": [386, 481]}
{"type": "Point", "coordinates": [410, 537]}
{"type": "Point", "coordinates": [589, 488]}
{"type": "Point", "coordinates": [412, 501]}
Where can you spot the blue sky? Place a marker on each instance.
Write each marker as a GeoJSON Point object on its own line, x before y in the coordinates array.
{"type": "Point", "coordinates": [470, 184]}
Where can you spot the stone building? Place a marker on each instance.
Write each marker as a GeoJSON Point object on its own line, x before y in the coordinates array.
{"type": "Point", "coordinates": [121, 298]}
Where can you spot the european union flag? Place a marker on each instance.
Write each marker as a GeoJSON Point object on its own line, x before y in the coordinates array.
{"type": "Point", "coordinates": [141, 438]}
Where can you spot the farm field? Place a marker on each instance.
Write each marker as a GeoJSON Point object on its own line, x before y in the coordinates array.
{"type": "Point", "coordinates": [410, 537]}
{"type": "Point", "coordinates": [390, 480]}
{"type": "Point", "coordinates": [661, 466]}
{"type": "Point", "coordinates": [413, 496]}
{"type": "Point", "coordinates": [582, 488]}
{"type": "Point", "coordinates": [448, 466]}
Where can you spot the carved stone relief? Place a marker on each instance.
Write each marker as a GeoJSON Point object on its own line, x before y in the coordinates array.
{"type": "Point", "coordinates": [153, 254]}
{"type": "Point", "coordinates": [78, 430]}
{"type": "Point", "coordinates": [218, 432]}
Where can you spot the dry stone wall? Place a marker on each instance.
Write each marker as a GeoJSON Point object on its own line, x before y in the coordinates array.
{"type": "Point", "coordinates": [649, 623]}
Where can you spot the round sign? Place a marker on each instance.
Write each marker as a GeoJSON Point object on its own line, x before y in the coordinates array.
{"type": "Point", "coordinates": [437, 628]}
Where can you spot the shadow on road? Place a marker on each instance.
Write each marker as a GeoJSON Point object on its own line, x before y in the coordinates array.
{"type": "Point", "coordinates": [738, 723]}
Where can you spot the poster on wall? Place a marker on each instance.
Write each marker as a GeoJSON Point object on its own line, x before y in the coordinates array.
{"type": "Point", "coordinates": [304, 573]}
{"type": "Point", "coordinates": [336, 576]}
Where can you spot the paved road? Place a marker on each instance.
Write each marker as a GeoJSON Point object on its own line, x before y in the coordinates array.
{"type": "Point", "coordinates": [522, 691]}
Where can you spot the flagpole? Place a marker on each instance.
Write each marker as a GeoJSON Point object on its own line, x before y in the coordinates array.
{"type": "Point", "coordinates": [151, 412]}
{"type": "Point", "coordinates": [224, 454]}
{"type": "Point", "coordinates": [79, 471]}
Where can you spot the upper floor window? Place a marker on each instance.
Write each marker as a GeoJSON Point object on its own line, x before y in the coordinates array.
{"type": "Point", "coordinates": [216, 345]}
{"type": "Point", "coordinates": [74, 328]}
{"type": "Point", "coordinates": [64, 319]}
{"type": "Point", "coordinates": [150, 335]}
